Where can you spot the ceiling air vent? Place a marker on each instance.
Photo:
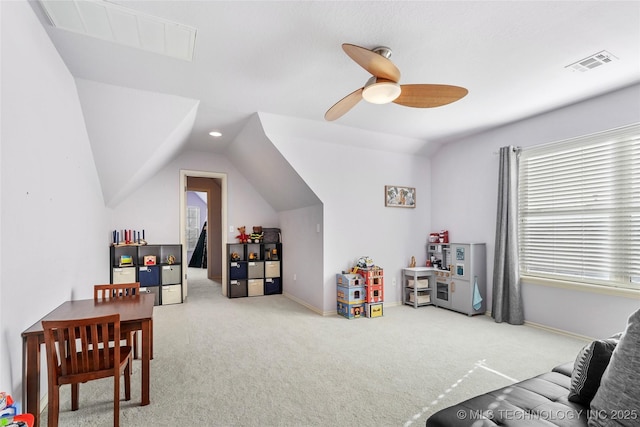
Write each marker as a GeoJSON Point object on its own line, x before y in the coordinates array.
{"type": "Point", "coordinates": [593, 61]}
{"type": "Point", "coordinates": [118, 24]}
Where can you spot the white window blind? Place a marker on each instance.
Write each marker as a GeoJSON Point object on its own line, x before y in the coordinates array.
{"type": "Point", "coordinates": [579, 209]}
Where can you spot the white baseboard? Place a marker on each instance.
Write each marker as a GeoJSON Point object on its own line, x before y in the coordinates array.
{"type": "Point", "coordinates": [309, 306]}
{"type": "Point", "coordinates": [329, 312]}
{"type": "Point", "coordinates": [487, 313]}
{"type": "Point", "coordinates": [551, 329]}
{"type": "Point", "coordinates": [558, 331]}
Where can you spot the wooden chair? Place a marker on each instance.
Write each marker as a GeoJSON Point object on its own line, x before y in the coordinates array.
{"type": "Point", "coordinates": [111, 291]}
{"type": "Point", "coordinates": [121, 290]}
{"type": "Point", "coordinates": [80, 350]}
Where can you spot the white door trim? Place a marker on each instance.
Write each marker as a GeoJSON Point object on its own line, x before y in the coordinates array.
{"type": "Point", "coordinates": [184, 173]}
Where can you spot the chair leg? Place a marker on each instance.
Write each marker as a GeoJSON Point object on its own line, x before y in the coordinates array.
{"type": "Point", "coordinates": [131, 342]}
{"type": "Point", "coordinates": [135, 344]}
{"type": "Point", "coordinates": [53, 406]}
{"type": "Point", "coordinates": [116, 400]}
{"type": "Point", "coordinates": [127, 381]}
{"type": "Point", "coordinates": [75, 392]}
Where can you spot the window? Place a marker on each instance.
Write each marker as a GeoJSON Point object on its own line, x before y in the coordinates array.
{"type": "Point", "coordinates": [193, 227]}
{"type": "Point", "coordinates": [579, 209]}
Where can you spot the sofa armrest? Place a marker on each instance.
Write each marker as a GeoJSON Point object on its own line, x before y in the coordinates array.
{"type": "Point", "coordinates": [565, 368]}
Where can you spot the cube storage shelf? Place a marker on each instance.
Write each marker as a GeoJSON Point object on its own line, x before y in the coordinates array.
{"type": "Point", "coordinates": [254, 269]}
{"type": "Point", "coordinates": [158, 268]}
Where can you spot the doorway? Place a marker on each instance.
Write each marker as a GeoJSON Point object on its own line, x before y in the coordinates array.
{"type": "Point", "coordinates": [197, 216]}
{"type": "Point", "coordinates": [212, 186]}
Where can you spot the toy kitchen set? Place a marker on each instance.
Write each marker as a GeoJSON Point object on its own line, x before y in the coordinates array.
{"type": "Point", "coordinates": [454, 276]}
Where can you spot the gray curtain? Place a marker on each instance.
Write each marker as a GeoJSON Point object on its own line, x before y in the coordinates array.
{"type": "Point", "coordinates": [507, 298]}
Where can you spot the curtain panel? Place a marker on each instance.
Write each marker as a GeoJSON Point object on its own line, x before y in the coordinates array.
{"type": "Point", "coordinates": [507, 296]}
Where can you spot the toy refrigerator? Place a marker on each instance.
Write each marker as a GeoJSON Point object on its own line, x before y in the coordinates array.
{"type": "Point", "coordinates": [468, 285]}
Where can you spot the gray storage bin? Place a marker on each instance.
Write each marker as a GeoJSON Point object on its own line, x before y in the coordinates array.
{"type": "Point", "coordinates": [237, 288]}
{"type": "Point", "coordinates": [171, 274]}
{"type": "Point", "coordinates": [271, 235]}
{"type": "Point", "coordinates": [256, 270]}
{"type": "Point", "coordinates": [155, 290]}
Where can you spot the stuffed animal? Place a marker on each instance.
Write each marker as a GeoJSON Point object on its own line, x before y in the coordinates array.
{"type": "Point", "coordinates": [257, 235]}
{"type": "Point", "coordinates": [364, 262]}
{"type": "Point", "coordinates": [243, 236]}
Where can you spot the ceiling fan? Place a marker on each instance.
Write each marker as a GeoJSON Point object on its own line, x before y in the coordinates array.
{"type": "Point", "coordinates": [383, 86]}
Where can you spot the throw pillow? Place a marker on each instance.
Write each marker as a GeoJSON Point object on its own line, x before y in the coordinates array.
{"type": "Point", "coordinates": [589, 366]}
{"type": "Point", "coordinates": [617, 401]}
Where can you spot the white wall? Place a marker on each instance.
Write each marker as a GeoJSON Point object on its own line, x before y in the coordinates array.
{"type": "Point", "coordinates": [255, 156]}
{"type": "Point", "coordinates": [132, 133]}
{"type": "Point", "coordinates": [155, 206]}
{"type": "Point", "coordinates": [350, 180]}
{"type": "Point", "coordinates": [53, 223]}
{"type": "Point", "coordinates": [464, 186]}
{"type": "Point", "coordinates": [302, 255]}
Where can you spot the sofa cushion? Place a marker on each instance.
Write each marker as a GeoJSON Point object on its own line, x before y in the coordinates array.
{"type": "Point", "coordinates": [589, 366]}
{"type": "Point", "coordinates": [537, 401]}
{"type": "Point", "coordinates": [617, 401]}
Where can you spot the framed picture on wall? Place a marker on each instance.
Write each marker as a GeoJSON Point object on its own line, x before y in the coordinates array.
{"type": "Point", "coordinates": [399, 197]}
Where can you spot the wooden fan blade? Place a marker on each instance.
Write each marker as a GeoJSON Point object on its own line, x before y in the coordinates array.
{"type": "Point", "coordinates": [373, 62]}
{"type": "Point", "coordinates": [429, 96]}
{"type": "Point", "coordinates": [344, 105]}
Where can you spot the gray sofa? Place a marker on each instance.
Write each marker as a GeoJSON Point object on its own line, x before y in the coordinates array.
{"type": "Point", "coordinates": [601, 388]}
{"type": "Point", "coordinates": [537, 401]}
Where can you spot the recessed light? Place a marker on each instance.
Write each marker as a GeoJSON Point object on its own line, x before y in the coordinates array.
{"type": "Point", "coordinates": [215, 133]}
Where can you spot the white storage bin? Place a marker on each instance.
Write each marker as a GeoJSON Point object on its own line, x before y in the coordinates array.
{"type": "Point", "coordinates": [256, 287]}
{"type": "Point", "coordinates": [124, 275]}
{"type": "Point", "coordinates": [272, 269]}
{"type": "Point", "coordinates": [171, 294]}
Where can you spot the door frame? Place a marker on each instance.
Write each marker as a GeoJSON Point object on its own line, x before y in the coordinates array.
{"type": "Point", "coordinates": [184, 173]}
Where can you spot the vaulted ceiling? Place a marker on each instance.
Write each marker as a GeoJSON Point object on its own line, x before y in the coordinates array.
{"type": "Point", "coordinates": [284, 58]}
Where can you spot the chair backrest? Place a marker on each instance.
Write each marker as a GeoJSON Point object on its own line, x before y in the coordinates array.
{"type": "Point", "coordinates": [121, 290]}
{"type": "Point", "coordinates": [73, 346]}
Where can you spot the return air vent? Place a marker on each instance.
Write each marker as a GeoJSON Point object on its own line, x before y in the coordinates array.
{"type": "Point", "coordinates": [118, 24]}
{"type": "Point", "coordinates": [591, 62]}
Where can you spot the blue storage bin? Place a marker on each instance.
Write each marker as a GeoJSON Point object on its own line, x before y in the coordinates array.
{"type": "Point", "coordinates": [149, 275]}
{"type": "Point", "coordinates": [272, 286]}
{"type": "Point", "coordinates": [237, 270]}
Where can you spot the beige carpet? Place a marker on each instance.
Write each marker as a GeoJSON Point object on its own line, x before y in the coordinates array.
{"type": "Point", "coordinates": [269, 361]}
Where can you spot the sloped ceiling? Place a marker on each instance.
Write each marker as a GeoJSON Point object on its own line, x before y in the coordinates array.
{"type": "Point", "coordinates": [285, 58]}
{"type": "Point", "coordinates": [133, 133]}
{"type": "Point", "coordinates": [260, 162]}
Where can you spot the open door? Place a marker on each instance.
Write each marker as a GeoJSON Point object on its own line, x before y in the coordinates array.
{"type": "Point", "coordinates": [215, 186]}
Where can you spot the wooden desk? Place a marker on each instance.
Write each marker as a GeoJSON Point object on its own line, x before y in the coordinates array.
{"type": "Point", "coordinates": [135, 315]}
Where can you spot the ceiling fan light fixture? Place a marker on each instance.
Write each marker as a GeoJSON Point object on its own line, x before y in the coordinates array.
{"type": "Point", "coordinates": [381, 91]}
